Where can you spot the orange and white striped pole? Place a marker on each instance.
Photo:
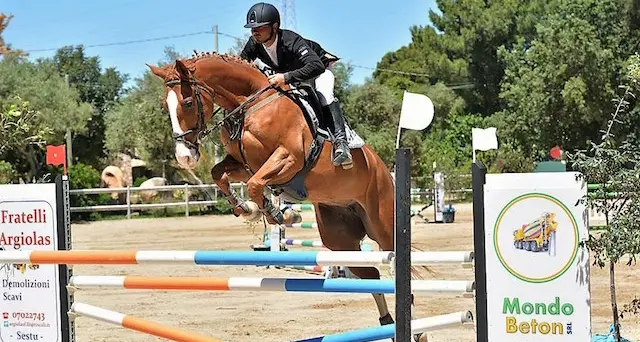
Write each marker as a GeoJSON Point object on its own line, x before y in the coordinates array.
{"type": "Point", "coordinates": [137, 324]}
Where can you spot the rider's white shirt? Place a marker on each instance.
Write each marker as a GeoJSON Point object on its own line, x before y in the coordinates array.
{"type": "Point", "coordinates": [273, 51]}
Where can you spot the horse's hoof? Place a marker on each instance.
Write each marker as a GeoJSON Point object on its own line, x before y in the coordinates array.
{"type": "Point", "coordinates": [253, 212]}
{"type": "Point", "coordinates": [291, 216]}
{"type": "Point", "coordinates": [386, 319]}
{"type": "Point", "coordinates": [421, 337]}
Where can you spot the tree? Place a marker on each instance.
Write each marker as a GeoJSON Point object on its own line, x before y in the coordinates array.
{"type": "Point", "coordinates": [18, 127]}
{"type": "Point", "coordinates": [5, 49]}
{"type": "Point", "coordinates": [56, 104]}
{"type": "Point", "coordinates": [461, 48]}
{"type": "Point", "coordinates": [555, 99]}
{"type": "Point", "coordinates": [138, 125]}
{"type": "Point", "coordinates": [612, 165]}
{"type": "Point", "coordinates": [39, 83]}
{"type": "Point", "coordinates": [342, 72]}
{"type": "Point", "coordinates": [102, 89]}
{"type": "Point", "coordinates": [238, 45]}
{"type": "Point", "coordinates": [542, 72]}
{"type": "Point", "coordinates": [373, 111]}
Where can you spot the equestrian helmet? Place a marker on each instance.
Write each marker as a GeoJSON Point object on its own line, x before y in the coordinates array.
{"type": "Point", "coordinates": [262, 14]}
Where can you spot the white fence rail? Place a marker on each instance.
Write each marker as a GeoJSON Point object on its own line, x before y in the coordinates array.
{"type": "Point", "coordinates": [128, 205]}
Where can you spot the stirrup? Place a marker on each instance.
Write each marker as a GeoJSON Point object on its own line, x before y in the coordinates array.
{"type": "Point", "coordinates": [342, 156]}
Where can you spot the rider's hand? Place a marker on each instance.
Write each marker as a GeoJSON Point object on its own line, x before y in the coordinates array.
{"type": "Point", "coordinates": [277, 79]}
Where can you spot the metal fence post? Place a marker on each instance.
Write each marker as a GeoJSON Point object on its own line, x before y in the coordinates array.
{"type": "Point", "coordinates": [186, 199]}
{"type": "Point", "coordinates": [128, 202]}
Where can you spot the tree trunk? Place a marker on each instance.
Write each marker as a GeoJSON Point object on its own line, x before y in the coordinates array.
{"type": "Point", "coordinates": [614, 304]}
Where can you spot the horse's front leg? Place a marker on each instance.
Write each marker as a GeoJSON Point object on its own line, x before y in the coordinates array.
{"type": "Point", "coordinates": [279, 168]}
{"type": "Point", "coordinates": [229, 168]}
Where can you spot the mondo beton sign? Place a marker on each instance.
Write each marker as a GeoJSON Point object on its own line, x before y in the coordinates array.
{"type": "Point", "coordinates": [29, 294]}
{"type": "Point", "coordinates": [537, 267]}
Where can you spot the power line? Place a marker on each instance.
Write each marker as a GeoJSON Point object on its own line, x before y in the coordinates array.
{"type": "Point", "coordinates": [130, 41]}
{"type": "Point", "coordinates": [229, 36]}
{"type": "Point", "coordinates": [408, 73]}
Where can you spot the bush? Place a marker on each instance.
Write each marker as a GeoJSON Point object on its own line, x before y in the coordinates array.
{"type": "Point", "coordinates": [82, 176]}
{"type": "Point", "coordinates": [7, 173]}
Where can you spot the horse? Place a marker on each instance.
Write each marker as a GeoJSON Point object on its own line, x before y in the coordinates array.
{"type": "Point", "coordinates": [271, 142]}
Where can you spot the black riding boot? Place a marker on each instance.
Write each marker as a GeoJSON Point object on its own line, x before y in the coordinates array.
{"type": "Point", "coordinates": [341, 153]}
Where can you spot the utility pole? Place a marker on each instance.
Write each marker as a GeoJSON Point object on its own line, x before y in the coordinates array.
{"type": "Point", "coordinates": [215, 38]}
{"type": "Point", "coordinates": [68, 135]}
{"type": "Point", "coordinates": [289, 14]}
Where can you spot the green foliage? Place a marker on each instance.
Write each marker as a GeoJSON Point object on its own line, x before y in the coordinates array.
{"type": "Point", "coordinates": [542, 72]}
{"type": "Point", "coordinates": [138, 181]}
{"type": "Point", "coordinates": [7, 173]}
{"type": "Point", "coordinates": [58, 105]}
{"type": "Point", "coordinates": [565, 99]}
{"type": "Point", "coordinates": [374, 112]}
{"type": "Point", "coordinates": [612, 164]}
{"type": "Point", "coordinates": [342, 73]}
{"type": "Point", "coordinates": [18, 126]}
{"type": "Point", "coordinates": [100, 89]}
{"type": "Point", "coordinates": [83, 176]}
{"type": "Point", "coordinates": [139, 125]}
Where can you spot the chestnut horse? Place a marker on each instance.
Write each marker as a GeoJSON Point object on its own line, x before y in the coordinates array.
{"type": "Point", "coordinates": [270, 143]}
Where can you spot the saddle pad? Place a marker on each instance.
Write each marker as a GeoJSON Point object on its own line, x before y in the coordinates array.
{"type": "Point", "coordinates": [353, 139]}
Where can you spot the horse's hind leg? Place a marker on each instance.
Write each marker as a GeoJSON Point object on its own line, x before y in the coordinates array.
{"type": "Point", "coordinates": [342, 230]}
{"type": "Point", "coordinates": [378, 216]}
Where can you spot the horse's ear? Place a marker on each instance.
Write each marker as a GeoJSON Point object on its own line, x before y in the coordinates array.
{"type": "Point", "coordinates": [182, 70]}
{"type": "Point", "coordinates": [160, 72]}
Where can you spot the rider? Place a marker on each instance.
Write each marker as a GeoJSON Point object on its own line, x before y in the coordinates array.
{"type": "Point", "coordinates": [296, 59]}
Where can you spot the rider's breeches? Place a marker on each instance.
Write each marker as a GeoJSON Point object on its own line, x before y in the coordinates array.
{"type": "Point", "coordinates": [324, 87]}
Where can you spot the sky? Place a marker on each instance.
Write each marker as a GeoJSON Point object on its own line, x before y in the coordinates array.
{"type": "Point", "coordinates": [358, 31]}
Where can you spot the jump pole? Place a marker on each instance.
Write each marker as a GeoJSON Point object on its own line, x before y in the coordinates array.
{"type": "Point", "coordinates": [213, 257]}
{"type": "Point", "coordinates": [341, 285]}
{"type": "Point", "coordinates": [137, 324]}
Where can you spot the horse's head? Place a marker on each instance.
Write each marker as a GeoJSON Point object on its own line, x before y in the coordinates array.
{"type": "Point", "coordinates": [190, 104]}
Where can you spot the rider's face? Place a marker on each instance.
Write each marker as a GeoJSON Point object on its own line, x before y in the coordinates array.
{"type": "Point", "coordinates": [261, 33]}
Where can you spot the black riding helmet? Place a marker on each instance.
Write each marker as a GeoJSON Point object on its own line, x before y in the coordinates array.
{"type": "Point", "coordinates": [262, 14]}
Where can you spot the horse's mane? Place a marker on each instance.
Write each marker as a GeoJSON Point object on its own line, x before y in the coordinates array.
{"type": "Point", "coordinates": [226, 57]}
{"type": "Point", "coordinates": [190, 62]}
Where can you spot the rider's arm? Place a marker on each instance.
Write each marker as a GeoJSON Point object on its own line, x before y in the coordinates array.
{"type": "Point", "coordinates": [250, 51]}
{"type": "Point", "coordinates": [313, 65]}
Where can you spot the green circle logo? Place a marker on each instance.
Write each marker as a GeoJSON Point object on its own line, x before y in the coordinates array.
{"type": "Point", "coordinates": [535, 237]}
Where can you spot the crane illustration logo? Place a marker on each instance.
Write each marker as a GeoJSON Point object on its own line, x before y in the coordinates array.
{"type": "Point", "coordinates": [537, 235]}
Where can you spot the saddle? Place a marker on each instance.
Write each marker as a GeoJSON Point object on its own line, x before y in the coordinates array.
{"type": "Point", "coordinates": [306, 98]}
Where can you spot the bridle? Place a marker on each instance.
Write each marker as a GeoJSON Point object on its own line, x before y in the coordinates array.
{"type": "Point", "coordinates": [201, 129]}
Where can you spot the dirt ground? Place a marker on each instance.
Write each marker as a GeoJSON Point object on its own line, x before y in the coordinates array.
{"type": "Point", "coordinates": [280, 316]}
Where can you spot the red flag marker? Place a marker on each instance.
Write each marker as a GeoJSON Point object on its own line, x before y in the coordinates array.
{"type": "Point", "coordinates": [57, 155]}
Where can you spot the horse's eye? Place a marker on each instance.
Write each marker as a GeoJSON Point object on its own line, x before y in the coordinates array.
{"type": "Point", "coordinates": [188, 102]}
